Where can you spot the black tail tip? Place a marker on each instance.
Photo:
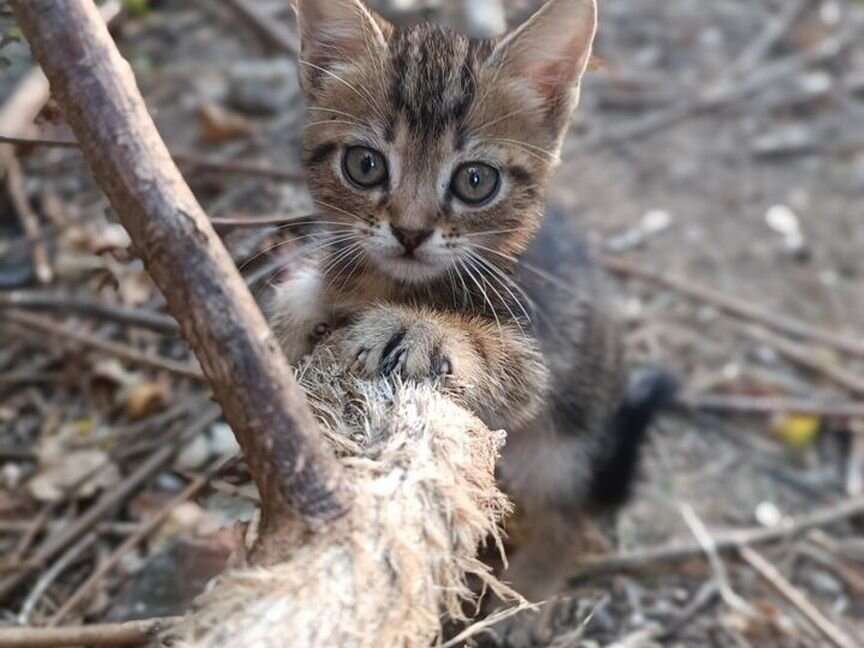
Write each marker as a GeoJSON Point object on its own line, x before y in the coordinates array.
{"type": "Point", "coordinates": [649, 389]}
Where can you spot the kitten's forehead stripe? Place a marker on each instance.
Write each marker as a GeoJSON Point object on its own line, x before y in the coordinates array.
{"type": "Point", "coordinates": [434, 78]}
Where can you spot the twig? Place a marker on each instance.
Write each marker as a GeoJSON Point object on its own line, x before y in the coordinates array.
{"type": "Point", "coordinates": [804, 357]}
{"type": "Point", "coordinates": [110, 500]}
{"type": "Point", "coordinates": [771, 35]}
{"type": "Point", "coordinates": [738, 404]}
{"type": "Point", "coordinates": [29, 219]}
{"type": "Point", "coordinates": [300, 481]}
{"type": "Point", "coordinates": [709, 548]}
{"type": "Point", "coordinates": [109, 635]}
{"type": "Point", "coordinates": [797, 598]}
{"type": "Point", "coordinates": [735, 307]}
{"type": "Point", "coordinates": [725, 541]}
{"type": "Point", "coordinates": [723, 94]}
{"type": "Point", "coordinates": [47, 579]}
{"type": "Point", "coordinates": [145, 530]}
{"type": "Point", "coordinates": [275, 34]}
{"type": "Point", "coordinates": [122, 351]}
{"type": "Point", "coordinates": [37, 300]}
{"type": "Point", "coordinates": [237, 167]}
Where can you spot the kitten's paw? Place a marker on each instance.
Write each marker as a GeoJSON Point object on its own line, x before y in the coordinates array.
{"type": "Point", "coordinates": [392, 342]}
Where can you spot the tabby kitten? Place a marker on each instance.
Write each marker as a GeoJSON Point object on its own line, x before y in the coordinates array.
{"type": "Point", "coordinates": [428, 155]}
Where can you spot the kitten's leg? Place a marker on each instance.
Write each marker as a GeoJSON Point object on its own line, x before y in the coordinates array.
{"type": "Point", "coordinates": [298, 313]}
{"type": "Point", "coordinates": [494, 371]}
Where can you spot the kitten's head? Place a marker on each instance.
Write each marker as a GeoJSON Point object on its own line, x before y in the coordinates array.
{"type": "Point", "coordinates": [426, 150]}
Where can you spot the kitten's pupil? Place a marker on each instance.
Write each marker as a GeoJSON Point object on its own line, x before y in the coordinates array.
{"type": "Point", "coordinates": [475, 183]}
{"type": "Point", "coordinates": [364, 167]}
{"type": "Point", "coordinates": [368, 164]}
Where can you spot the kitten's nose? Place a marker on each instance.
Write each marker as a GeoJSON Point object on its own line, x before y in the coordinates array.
{"type": "Point", "coordinates": [410, 239]}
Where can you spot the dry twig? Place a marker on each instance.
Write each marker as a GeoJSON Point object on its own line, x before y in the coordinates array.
{"type": "Point", "coordinates": [47, 301]}
{"type": "Point", "coordinates": [822, 623]}
{"type": "Point", "coordinates": [117, 349]}
{"type": "Point", "coordinates": [735, 307]}
{"type": "Point", "coordinates": [146, 529]}
{"type": "Point", "coordinates": [110, 635]}
{"type": "Point", "coordinates": [297, 475]}
{"type": "Point", "coordinates": [109, 501]}
{"type": "Point", "coordinates": [725, 541]}
{"type": "Point", "coordinates": [740, 404]}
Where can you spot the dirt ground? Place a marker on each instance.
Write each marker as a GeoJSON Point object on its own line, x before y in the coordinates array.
{"type": "Point", "coordinates": [721, 144]}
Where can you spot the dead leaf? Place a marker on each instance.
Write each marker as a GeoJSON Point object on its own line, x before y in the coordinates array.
{"type": "Point", "coordinates": [145, 398]}
{"type": "Point", "coordinates": [221, 125]}
{"type": "Point", "coordinates": [56, 478]}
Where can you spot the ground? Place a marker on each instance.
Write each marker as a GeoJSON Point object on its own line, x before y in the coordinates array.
{"type": "Point", "coordinates": [719, 143]}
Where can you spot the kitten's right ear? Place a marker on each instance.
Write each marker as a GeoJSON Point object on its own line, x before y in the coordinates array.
{"type": "Point", "coordinates": [549, 53]}
{"type": "Point", "coordinates": [334, 33]}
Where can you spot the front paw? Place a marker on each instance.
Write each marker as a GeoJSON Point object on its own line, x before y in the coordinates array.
{"type": "Point", "coordinates": [413, 346]}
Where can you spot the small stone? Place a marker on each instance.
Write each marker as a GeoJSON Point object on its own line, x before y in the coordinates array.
{"type": "Point", "coordinates": [222, 440]}
{"type": "Point", "coordinates": [265, 87]}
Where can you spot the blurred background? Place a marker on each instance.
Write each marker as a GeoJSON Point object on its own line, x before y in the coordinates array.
{"type": "Point", "coordinates": [717, 167]}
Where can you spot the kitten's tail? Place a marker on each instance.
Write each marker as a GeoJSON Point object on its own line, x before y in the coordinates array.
{"type": "Point", "coordinates": [648, 390]}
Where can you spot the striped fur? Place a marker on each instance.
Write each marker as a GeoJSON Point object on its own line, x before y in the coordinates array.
{"type": "Point", "coordinates": [544, 363]}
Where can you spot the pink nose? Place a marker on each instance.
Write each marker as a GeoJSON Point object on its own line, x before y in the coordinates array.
{"type": "Point", "coordinates": [410, 239]}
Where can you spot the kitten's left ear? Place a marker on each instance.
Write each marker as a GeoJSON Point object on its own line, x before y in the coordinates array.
{"type": "Point", "coordinates": [334, 33]}
{"type": "Point", "coordinates": [551, 50]}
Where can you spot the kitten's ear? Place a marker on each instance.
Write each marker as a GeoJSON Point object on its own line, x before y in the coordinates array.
{"type": "Point", "coordinates": [333, 33]}
{"type": "Point", "coordinates": [551, 50]}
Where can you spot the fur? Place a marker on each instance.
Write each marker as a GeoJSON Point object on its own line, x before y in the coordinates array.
{"type": "Point", "coordinates": [500, 308]}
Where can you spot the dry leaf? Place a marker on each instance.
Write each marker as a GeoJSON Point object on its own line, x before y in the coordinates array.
{"type": "Point", "coordinates": [145, 398]}
{"type": "Point", "coordinates": [56, 478]}
{"type": "Point", "coordinates": [221, 125]}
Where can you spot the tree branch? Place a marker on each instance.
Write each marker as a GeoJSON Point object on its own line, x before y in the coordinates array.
{"type": "Point", "coordinates": [296, 473]}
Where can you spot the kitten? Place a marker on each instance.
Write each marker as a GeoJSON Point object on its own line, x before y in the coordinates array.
{"type": "Point", "coordinates": [428, 155]}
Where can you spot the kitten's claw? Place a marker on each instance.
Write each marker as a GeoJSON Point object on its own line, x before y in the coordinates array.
{"type": "Point", "coordinates": [379, 345]}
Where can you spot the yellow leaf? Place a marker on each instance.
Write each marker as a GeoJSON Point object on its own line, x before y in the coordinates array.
{"type": "Point", "coordinates": [797, 431]}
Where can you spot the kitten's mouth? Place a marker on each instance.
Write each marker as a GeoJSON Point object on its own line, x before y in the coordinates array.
{"type": "Point", "coordinates": [409, 268]}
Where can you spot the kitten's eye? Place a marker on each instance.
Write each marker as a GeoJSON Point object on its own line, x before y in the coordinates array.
{"type": "Point", "coordinates": [364, 167]}
{"type": "Point", "coordinates": [474, 183]}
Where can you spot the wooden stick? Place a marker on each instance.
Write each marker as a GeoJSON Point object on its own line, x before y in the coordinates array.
{"type": "Point", "coordinates": [273, 33]}
{"type": "Point", "coordinates": [50, 301]}
{"type": "Point", "coordinates": [297, 474]}
{"type": "Point", "coordinates": [725, 541]}
{"type": "Point", "coordinates": [122, 351]}
{"type": "Point", "coordinates": [803, 357]}
{"type": "Point", "coordinates": [109, 501]}
{"type": "Point", "coordinates": [238, 167]}
{"type": "Point", "coordinates": [146, 529]}
{"type": "Point", "coordinates": [735, 307]}
{"type": "Point", "coordinates": [110, 635]}
{"type": "Point", "coordinates": [740, 404]}
{"type": "Point", "coordinates": [796, 597]}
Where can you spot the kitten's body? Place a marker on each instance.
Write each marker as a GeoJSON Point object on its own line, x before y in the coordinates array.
{"type": "Point", "coordinates": [423, 282]}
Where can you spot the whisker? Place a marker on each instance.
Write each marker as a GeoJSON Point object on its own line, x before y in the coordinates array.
{"type": "Point", "coordinates": [505, 282]}
{"type": "Point", "coordinates": [324, 122]}
{"type": "Point", "coordinates": [535, 151]}
{"type": "Point", "coordinates": [342, 113]}
{"type": "Point", "coordinates": [550, 278]}
{"type": "Point", "coordinates": [338, 209]}
{"type": "Point", "coordinates": [500, 297]}
{"type": "Point", "coordinates": [501, 231]}
{"type": "Point", "coordinates": [294, 239]}
{"type": "Point", "coordinates": [365, 96]}
{"type": "Point", "coordinates": [480, 287]}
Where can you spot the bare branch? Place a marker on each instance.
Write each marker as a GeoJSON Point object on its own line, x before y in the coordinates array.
{"type": "Point", "coordinates": [296, 473]}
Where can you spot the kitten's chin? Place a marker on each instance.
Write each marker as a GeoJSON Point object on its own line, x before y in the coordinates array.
{"type": "Point", "coordinates": [410, 270]}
